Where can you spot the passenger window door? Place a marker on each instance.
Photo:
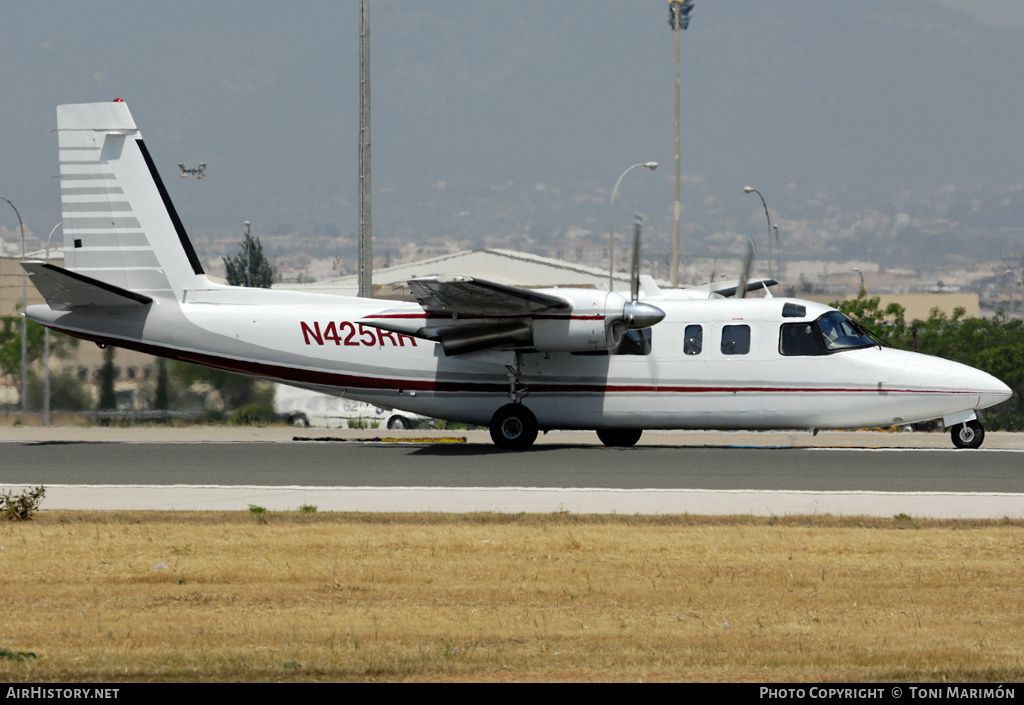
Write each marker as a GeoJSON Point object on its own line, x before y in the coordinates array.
{"type": "Point", "coordinates": [735, 340]}
{"type": "Point", "coordinates": [693, 339]}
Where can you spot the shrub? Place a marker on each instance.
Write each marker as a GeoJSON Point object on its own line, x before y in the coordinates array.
{"type": "Point", "coordinates": [23, 506]}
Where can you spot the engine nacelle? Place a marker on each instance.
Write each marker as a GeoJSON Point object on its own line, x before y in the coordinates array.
{"type": "Point", "coordinates": [595, 324]}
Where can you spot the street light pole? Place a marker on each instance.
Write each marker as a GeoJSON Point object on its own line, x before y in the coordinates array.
{"type": "Point", "coordinates": [196, 173]}
{"type": "Point", "coordinates": [679, 19]}
{"type": "Point", "coordinates": [24, 321]}
{"type": "Point", "coordinates": [611, 227]}
{"type": "Point", "coordinates": [748, 189]}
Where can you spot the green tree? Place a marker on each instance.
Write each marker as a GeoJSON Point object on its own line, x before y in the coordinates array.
{"type": "Point", "coordinates": [10, 344]}
{"type": "Point", "coordinates": [108, 373]}
{"type": "Point", "coordinates": [250, 267]}
{"type": "Point", "coordinates": [161, 399]}
{"type": "Point", "coordinates": [235, 390]}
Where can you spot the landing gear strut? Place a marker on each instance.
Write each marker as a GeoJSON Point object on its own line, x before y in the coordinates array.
{"type": "Point", "coordinates": [968, 435]}
{"type": "Point", "coordinates": [513, 426]}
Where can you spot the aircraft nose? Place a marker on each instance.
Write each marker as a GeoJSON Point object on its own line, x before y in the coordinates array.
{"type": "Point", "coordinates": [991, 390]}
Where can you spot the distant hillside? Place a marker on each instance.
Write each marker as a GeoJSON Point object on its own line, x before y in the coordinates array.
{"type": "Point", "coordinates": [876, 130]}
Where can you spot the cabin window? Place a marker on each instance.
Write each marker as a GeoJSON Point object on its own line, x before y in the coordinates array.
{"type": "Point", "coordinates": [799, 339]}
{"type": "Point", "coordinates": [693, 340]}
{"type": "Point", "coordinates": [736, 340]}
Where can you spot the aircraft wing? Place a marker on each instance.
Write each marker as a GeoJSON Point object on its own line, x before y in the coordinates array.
{"type": "Point", "coordinates": [466, 315]}
{"type": "Point", "coordinates": [466, 296]}
{"type": "Point", "coordinates": [65, 290]}
{"type": "Point", "coordinates": [729, 288]}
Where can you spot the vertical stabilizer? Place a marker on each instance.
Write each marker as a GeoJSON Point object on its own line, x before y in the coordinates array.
{"type": "Point", "coordinates": [120, 226]}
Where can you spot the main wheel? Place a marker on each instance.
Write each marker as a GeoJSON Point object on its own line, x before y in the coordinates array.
{"type": "Point", "coordinates": [968, 435]}
{"type": "Point", "coordinates": [619, 437]}
{"type": "Point", "coordinates": [513, 427]}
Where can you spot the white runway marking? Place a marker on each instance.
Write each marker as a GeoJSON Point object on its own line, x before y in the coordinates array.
{"type": "Point", "coordinates": [939, 505]}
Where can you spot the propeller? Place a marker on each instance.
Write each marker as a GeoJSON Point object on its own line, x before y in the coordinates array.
{"type": "Point", "coordinates": [748, 261]}
{"type": "Point", "coordinates": [636, 315]}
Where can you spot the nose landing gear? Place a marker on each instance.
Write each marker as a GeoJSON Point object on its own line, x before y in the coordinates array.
{"type": "Point", "coordinates": [968, 435]}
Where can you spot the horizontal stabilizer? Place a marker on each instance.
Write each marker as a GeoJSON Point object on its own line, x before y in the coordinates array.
{"type": "Point", "coordinates": [65, 290]}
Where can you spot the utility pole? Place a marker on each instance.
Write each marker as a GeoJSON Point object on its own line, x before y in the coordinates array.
{"type": "Point", "coordinates": [678, 19]}
{"type": "Point", "coordinates": [365, 211]}
{"type": "Point", "coordinates": [198, 173]}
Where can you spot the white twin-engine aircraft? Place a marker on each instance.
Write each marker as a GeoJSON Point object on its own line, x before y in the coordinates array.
{"type": "Point", "coordinates": [517, 360]}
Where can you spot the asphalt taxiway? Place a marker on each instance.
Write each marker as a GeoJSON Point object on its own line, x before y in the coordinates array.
{"type": "Point", "coordinates": [697, 473]}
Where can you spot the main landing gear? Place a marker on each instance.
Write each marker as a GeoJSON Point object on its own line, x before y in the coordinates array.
{"type": "Point", "coordinates": [513, 427]}
{"type": "Point", "coordinates": [619, 437]}
{"type": "Point", "coordinates": [968, 435]}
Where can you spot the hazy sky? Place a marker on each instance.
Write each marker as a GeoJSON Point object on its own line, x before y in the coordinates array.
{"type": "Point", "coordinates": [999, 13]}
{"type": "Point", "coordinates": [805, 99]}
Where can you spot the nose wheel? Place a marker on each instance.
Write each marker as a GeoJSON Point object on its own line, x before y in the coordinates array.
{"type": "Point", "coordinates": [968, 435]}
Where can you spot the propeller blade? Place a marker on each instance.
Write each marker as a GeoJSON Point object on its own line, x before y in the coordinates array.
{"type": "Point", "coordinates": [748, 261]}
{"type": "Point", "coordinates": [635, 315]}
{"type": "Point", "coordinates": [634, 272]}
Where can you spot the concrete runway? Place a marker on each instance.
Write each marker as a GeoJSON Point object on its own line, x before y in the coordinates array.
{"type": "Point", "coordinates": [877, 474]}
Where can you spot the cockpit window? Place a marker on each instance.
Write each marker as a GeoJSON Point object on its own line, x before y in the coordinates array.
{"type": "Point", "coordinates": [840, 333]}
{"type": "Point", "coordinates": [796, 339]}
{"type": "Point", "coordinates": [832, 332]}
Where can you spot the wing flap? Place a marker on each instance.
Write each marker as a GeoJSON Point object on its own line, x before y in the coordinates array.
{"type": "Point", "coordinates": [64, 290]}
{"type": "Point", "coordinates": [467, 315]}
{"type": "Point", "coordinates": [466, 296]}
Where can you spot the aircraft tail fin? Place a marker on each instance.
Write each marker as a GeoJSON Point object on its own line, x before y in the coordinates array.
{"type": "Point", "coordinates": [120, 227]}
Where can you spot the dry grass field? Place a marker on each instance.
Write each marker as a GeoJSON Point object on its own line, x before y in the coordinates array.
{"type": "Point", "coordinates": [131, 597]}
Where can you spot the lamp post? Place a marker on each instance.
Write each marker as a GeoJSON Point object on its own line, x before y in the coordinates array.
{"type": "Point", "coordinates": [46, 346]}
{"type": "Point", "coordinates": [197, 173]}
{"type": "Point", "coordinates": [24, 321]}
{"type": "Point", "coordinates": [748, 189]}
{"type": "Point", "coordinates": [611, 227]}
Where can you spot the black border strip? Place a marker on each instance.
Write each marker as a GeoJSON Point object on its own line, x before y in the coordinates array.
{"type": "Point", "coordinates": [186, 244]}
{"type": "Point", "coordinates": [125, 293]}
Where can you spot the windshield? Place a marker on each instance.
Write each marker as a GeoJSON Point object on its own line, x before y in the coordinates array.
{"type": "Point", "coordinates": [840, 333]}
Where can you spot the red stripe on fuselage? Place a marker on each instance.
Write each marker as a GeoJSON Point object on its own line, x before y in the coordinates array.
{"type": "Point", "coordinates": [347, 381]}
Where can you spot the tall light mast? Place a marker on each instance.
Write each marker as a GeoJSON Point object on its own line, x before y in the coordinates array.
{"type": "Point", "coordinates": [678, 19]}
